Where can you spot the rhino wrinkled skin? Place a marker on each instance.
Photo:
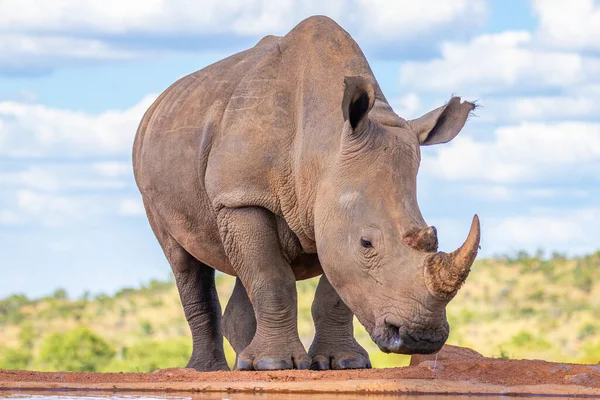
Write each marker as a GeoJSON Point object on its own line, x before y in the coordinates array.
{"type": "Point", "coordinates": [284, 162]}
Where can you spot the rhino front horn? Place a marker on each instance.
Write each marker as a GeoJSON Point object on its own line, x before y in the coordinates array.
{"type": "Point", "coordinates": [445, 273]}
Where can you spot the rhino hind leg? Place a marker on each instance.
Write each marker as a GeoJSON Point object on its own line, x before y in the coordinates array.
{"type": "Point", "coordinates": [238, 323]}
{"type": "Point", "coordinates": [334, 346]}
{"type": "Point", "coordinates": [251, 241]}
{"type": "Point", "coordinates": [197, 291]}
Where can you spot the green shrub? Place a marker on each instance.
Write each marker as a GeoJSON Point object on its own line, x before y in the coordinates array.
{"type": "Point", "coordinates": [147, 329]}
{"type": "Point", "coordinates": [527, 311]}
{"type": "Point", "coordinates": [60, 294]}
{"type": "Point", "coordinates": [27, 335]}
{"type": "Point", "coordinates": [77, 350]}
{"type": "Point", "coordinates": [10, 309]}
{"type": "Point", "coordinates": [14, 358]}
{"type": "Point", "coordinates": [537, 295]}
{"type": "Point", "coordinates": [591, 353]}
{"type": "Point", "coordinates": [524, 339]}
{"type": "Point", "coordinates": [150, 355]}
{"type": "Point", "coordinates": [586, 331]}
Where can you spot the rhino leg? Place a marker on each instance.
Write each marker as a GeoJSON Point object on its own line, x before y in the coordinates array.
{"type": "Point", "coordinates": [196, 285]}
{"type": "Point", "coordinates": [334, 346]}
{"type": "Point", "coordinates": [252, 244]}
{"type": "Point", "coordinates": [238, 324]}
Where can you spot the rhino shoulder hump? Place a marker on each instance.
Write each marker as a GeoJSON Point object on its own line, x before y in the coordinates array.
{"type": "Point", "coordinates": [267, 40]}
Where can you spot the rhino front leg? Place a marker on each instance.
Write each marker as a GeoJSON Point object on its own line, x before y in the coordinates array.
{"type": "Point", "coordinates": [196, 285]}
{"type": "Point", "coordinates": [238, 323]}
{"type": "Point", "coordinates": [334, 346]}
{"type": "Point", "coordinates": [251, 242]}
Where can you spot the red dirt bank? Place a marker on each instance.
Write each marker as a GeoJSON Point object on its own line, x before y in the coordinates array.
{"type": "Point", "coordinates": [462, 372]}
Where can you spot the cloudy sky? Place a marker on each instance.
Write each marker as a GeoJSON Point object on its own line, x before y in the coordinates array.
{"type": "Point", "coordinates": [77, 75]}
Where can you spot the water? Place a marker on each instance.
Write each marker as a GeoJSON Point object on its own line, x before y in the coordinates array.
{"type": "Point", "coordinates": [81, 395]}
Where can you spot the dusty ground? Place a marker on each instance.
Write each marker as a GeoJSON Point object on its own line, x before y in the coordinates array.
{"type": "Point", "coordinates": [456, 371]}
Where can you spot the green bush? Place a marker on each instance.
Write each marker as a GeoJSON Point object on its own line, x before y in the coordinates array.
{"type": "Point", "coordinates": [527, 311]}
{"type": "Point", "coordinates": [27, 335]}
{"type": "Point", "coordinates": [77, 350]}
{"type": "Point", "coordinates": [13, 358]}
{"type": "Point", "coordinates": [591, 353]}
{"type": "Point", "coordinates": [586, 331]}
{"type": "Point", "coordinates": [150, 355]}
{"type": "Point", "coordinates": [146, 327]}
{"type": "Point", "coordinates": [60, 294]}
{"type": "Point", "coordinates": [524, 339]}
{"type": "Point", "coordinates": [537, 295]}
{"type": "Point", "coordinates": [10, 309]}
{"type": "Point", "coordinates": [557, 299]}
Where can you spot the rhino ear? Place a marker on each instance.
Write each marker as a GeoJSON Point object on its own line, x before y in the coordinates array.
{"type": "Point", "coordinates": [359, 97]}
{"type": "Point", "coordinates": [442, 124]}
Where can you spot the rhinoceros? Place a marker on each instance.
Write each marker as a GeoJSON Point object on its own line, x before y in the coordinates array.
{"type": "Point", "coordinates": [284, 162]}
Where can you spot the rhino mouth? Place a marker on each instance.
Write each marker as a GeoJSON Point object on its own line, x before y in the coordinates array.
{"type": "Point", "coordinates": [391, 338]}
{"type": "Point", "coordinates": [388, 339]}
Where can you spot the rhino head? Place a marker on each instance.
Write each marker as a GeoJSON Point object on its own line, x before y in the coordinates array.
{"type": "Point", "coordinates": [373, 243]}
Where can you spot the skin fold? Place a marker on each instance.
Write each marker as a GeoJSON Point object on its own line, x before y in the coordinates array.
{"type": "Point", "coordinates": [285, 162]}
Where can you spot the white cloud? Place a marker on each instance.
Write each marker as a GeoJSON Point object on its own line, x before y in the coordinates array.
{"type": "Point", "coordinates": [252, 17]}
{"type": "Point", "coordinates": [58, 177]}
{"type": "Point", "coordinates": [522, 153]}
{"type": "Point", "coordinates": [113, 169]}
{"type": "Point", "coordinates": [9, 217]}
{"type": "Point", "coordinates": [154, 16]}
{"type": "Point", "coordinates": [31, 207]}
{"type": "Point", "coordinates": [39, 191]}
{"type": "Point", "coordinates": [506, 193]}
{"type": "Point", "coordinates": [35, 130]}
{"type": "Point", "coordinates": [3, 135]}
{"type": "Point", "coordinates": [542, 108]}
{"type": "Point", "coordinates": [42, 34]}
{"type": "Point", "coordinates": [572, 26]}
{"type": "Point", "coordinates": [57, 196]}
{"type": "Point", "coordinates": [408, 106]}
{"type": "Point", "coordinates": [504, 62]}
{"type": "Point", "coordinates": [572, 231]}
{"type": "Point", "coordinates": [25, 96]}
{"type": "Point", "coordinates": [391, 20]}
{"type": "Point", "coordinates": [50, 209]}
{"type": "Point", "coordinates": [131, 207]}
{"type": "Point", "coordinates": [22, 50]}
{"type": "Point", "coordinates": [575, 232]}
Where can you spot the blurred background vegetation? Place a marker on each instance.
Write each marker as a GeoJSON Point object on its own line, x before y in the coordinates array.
{"type": "Point", "coordinates": [521, 306]}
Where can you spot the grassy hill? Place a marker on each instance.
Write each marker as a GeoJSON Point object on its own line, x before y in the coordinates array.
{"type": "Point", "coordinates": [518, 307]}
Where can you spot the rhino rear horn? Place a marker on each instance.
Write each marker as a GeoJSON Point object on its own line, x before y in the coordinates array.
{"type": "Point", "coordinates": [422, 239]}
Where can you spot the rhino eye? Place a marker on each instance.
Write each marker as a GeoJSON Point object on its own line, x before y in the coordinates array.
{"type": "Point", "coordinates": [366, 243]}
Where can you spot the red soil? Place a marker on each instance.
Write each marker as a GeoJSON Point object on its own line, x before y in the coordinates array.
{"type": "Point", "coordinates": [456, 371]}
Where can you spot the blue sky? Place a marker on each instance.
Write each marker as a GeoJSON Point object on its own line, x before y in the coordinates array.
{"type": "Point", "coordinates": [77, 75]}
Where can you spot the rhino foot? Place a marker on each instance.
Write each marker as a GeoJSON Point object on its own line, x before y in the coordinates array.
{"type": "Point", "coordinates": [288, 357]}
{"type": "Point", "coordinates": [339, 357]}
{"type": "Point", "coordinates": [199, 365]}
{"type": "Point", "coordinates": [334, 346]}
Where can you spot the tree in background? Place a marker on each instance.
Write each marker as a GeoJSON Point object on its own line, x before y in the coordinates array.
{"type": "Point", "coordinates": [60, 294]}
{"type": "Point", "coordinates": [19, 357]}
{"type": "Point", "coordinates": [27, 335]}
{"type": "Point", "coordinates": [14, 358]}
{"type": "Point", "coordinates": [79, 349]}
{"type": "Point", "coordinates": [150, 355]}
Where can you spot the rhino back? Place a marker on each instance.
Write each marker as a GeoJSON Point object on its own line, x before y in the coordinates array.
{"type": "Point", "coordinates": [171, 153]}
{"type": "Point", "coordinates": [283, 123]}
{"type": "Point", "coordinates": [254, 129]}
